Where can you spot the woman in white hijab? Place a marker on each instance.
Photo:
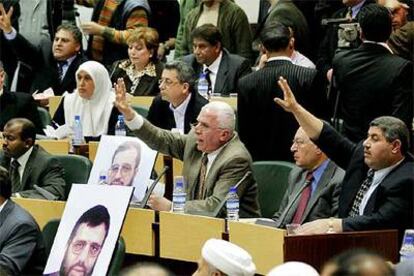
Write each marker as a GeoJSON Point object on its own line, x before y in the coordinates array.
{"type": "Point", "coordinates": [92, 100]}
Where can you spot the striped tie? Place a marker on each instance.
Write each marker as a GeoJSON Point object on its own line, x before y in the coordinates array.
{"type": "Point", "coordinates": [362, 191]}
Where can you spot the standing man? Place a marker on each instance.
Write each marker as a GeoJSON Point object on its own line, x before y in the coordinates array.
{"type": "Point", "coordinates": [223, 69]}
{"type": "Point", "coordinates": [178, 105]}
{"type": "Point", "coordinates": [254, 107]}
{"type": "Point", "coordinates": [213, 156]}
{"type": "Point", "coordinates": [112, 22]}
{"type": "Point", "coordinates": [371, 80]}
{"type": "Point", "coordinates": [125, 163]}
{"type": "Point", "coordinates": [377, 190]}
{"type": "Point", "coordinates": [33, 172]}
{"type": "Point", "coordinates": [314, 187]}
{"type": "Point", "coordinates": [21, 245]}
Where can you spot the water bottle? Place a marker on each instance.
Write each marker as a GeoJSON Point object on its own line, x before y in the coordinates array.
{"type": "Point", "coordinates": [232, 204]}
{"type": "Point", "coordinates": [202, 86]}
{"type": "Point", "coordinates": [407, 247]}
{"type": "Point", "coordinates": [102, 178]}
{"type": "Point", "coordinates": [179, 195]}
{"type": "Point", "coordinates": [120, 129]}
{"type": "Point", "coordinates": [77, 132]}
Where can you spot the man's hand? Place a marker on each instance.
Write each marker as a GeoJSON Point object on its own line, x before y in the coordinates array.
{"type": "Point", "coordinates": [121, 101]}
{"type": "Point", "coordinates": [5, 19]}
{"type": "Point", "coordinates": [288, 103]}
{"type": "Point", "coordinates": [159, 203]}
{"type": "Point", "coordinates": [92, 28]}
{"type": "Point", "coordinates": [321, 226]}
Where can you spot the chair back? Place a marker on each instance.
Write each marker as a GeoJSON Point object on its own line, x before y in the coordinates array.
{"type": "Point", "coordinates": [141, 110]}
{"type": "Point", "coordinates": [44, 116]}
{"type": "Point", "coordinates": [272, 181]}
{"type": "Point", "coordinates": [77, 169]}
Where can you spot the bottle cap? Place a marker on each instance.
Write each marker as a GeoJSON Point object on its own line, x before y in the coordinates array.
{"type": "Point", "coordinates": [233, 189]}
{"type": "Point", "coordinates": [120, 117]}
{"type": "Point", "coordinates": [77, 117]}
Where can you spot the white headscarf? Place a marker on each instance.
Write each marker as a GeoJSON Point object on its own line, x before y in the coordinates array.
{"type": "Point", "coordinates": [96, 111]}
{"type": "Point", "coordinates": [228, 258]}
{"type": "Point", "coordinates": [293, 269]}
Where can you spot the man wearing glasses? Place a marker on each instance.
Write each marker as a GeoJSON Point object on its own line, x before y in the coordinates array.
{"type": "Point", "coordinates": [213, 156]}
{"type": "Point", "coordinates": [125, 163]}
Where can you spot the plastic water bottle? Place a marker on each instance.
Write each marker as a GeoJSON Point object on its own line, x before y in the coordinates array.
{"type": "Point", "coordinates": [202, 86]}
{"type": "Point", "coordinates": [77, 132]}
{"type": "Point", "coordinates": [179, 195]}
{"type": "Point", "coordinates": [102, 178]}
{"type": "Point", "coordinates": [407, 247]}
{"type": "Point", "coordinates": [120, 129]}
{"type": "Point", "coordinates": [232, 204]}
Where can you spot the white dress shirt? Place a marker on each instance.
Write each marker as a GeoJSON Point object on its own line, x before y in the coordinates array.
{"type": "Point", "coordinates": [214, 67]}
{"type": "Point", "coordinates": [179, 113]}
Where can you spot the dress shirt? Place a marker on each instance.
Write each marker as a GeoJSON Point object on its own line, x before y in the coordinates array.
{"type": "Point", "coordinates": [179, 113]}
{"type": "Point", "coordinates": [23, 161]}
{"type": "Point", "coordinates": [4, 204]}
{"type": "Point", "coordinates": [209, 15]}
{"type": "Point", "coordinates": [301, 60]}
{"type": "Point", "coordinates": [356, 9]}
{"type": "Point", "coordinates": [378, 178]}
{"type": "Point", "coordinates": [279, 58]}
{"type": "Point", "coordinates": [65, 66]}
{"type": "Point", "coordinates": [1, 91]}
{"type": "Point", "coordinates": [214, 67]}
{"type": "Point", "coordinates": [317, 174]}
{"type": "Point", "coordinates": [383, 44]}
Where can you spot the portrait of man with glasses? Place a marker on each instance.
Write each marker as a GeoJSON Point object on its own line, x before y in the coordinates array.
{"type": "Point", "coordinates": [125, 163]}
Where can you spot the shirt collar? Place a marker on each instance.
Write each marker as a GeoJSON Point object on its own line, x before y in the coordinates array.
{"type": "Point", "coordinates": [215, 65]}
{"type": "Point", "coordinates": [383, 44]}
{"type": "Point", "coordinates": [382, 173]}
{"type": "Point", "coordinates": [69, 60]}
{"type": "Point", "coordinates": [279, 58]}
{"type": "Point", "coordinates": [24, 158]}
{"type": "Point", "coordinates": [182, 107]}
{"type": "Point", "coordinates": [1, 91]}
{"type": "Point", "coordinates": [4, 204]}
{"type": "Point", "coordinates": [317, 173]}
{"type": "Point", "coordinates": [356, 9]}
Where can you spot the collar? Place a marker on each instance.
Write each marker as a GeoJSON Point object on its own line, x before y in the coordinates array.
{"type": "Point", "coordinates": [182, 107]}
{"type": "Point", "coordinates": [317, 173]}
{"type": "Point", "coordinates": [214, 67]}
{"type": "Point", "coordinates": [279, 58]}
{"type": "Point", "coordinates": [212, 155]}
{"type": "Point", "coordinates": [382, 173]}
{"type": "Point", "coordinates": [4, 204]}
{"type": "Point", "coordinates": [24, 158]}
{"type": "Point", "coordinates": [357, 8]}
{"type": "Point", "coordinates": [69, 60]}
{"type": "Point", "coordinates": [1, 91]}
{"type": "Point", "coordinates": [383, 44]}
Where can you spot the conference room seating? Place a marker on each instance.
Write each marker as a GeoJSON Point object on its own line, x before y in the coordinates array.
{"type": "Point", "coordinates": [44, 115]}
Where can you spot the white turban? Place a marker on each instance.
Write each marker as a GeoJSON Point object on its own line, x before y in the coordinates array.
{"type": "Point", "coordinates": [293, 269]}
{"type": "Point", "coordinates": [228, 258]}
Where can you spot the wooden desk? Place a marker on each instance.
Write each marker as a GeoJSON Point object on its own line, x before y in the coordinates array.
{"type": "Point", "coordinates": [144, 101]}
{"type": "Point", "coordinates": [54, 104]}
{"type": "Point", "coordinates": [232, 101]}
{"type": "Point", "coordinates": [55, 146]}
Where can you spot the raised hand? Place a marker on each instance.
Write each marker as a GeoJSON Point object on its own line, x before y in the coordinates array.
{"type": "Point", "coordinates": [121, 101]}
{"type": "Point", "coordinates": [288, 103]}
{"type": "Point", "coordinates": [5, 19]}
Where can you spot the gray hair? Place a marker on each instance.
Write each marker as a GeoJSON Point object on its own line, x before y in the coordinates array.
{"type": "Point", "coordinates": [225, 114]}
{"type": "Point", "coordinates": [393, 129]}
{"type": "Point", "coordinates": [184, 72]}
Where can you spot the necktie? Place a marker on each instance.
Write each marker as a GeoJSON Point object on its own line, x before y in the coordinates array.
{"type": "Point", "coordinates": [15, 176]}
{"type": "Point", "coordinates": [60, 65]}
{"type": "Point", "coordinates": [362, 191]}
{"type": "Point", "coordinates": [207, 74]}
{"type": "Point", "coordinates": [304, 199]}
{"type": "Point", "coordinates": [202, 177]}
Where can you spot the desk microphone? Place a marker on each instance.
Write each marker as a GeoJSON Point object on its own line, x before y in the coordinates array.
{"type": "Point", "coordinates": [151, 188]}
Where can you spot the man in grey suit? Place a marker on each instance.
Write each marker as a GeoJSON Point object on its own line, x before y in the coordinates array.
{"type": "Point", "coordinates": [33, 172]}
{"type": "Point", "coordinates": [214, 158]}
{"type": "Point", "coordinates": [21, 246]}
{"type": "Point", "coordinates": [314, 186]}
{"type": "Point", "coordinates": [224, 69]}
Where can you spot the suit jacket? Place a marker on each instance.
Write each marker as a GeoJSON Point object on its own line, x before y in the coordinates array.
{"type": "Point", "coordinates": [402, 41]}
{"type": "Point", "coordinates": [43, 170]}
{"type": "Point", "coordinates": [322, 204]}
{"type": "Point", "coordinates": [160, 114]}
{"type": "Point", "coordinates": [264, 127]}
{"type": "Point", "coordinates": [391, 204]}
{"type": "Point", "coordinates": [232, 162]}
{"type": "Point", "coordinates": [372, 83]}
{"type": "Point", "coordinates": [231, 69]}
{"type": "Point", "coordinates": [21, 244]}
{"type": "Point", "coordinates": [19, 105]}
{"type": "Point", "coordinates": [43, 67]}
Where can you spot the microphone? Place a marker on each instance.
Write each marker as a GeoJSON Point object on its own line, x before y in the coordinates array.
{"type": "Point", "coordinates": [45, 193]}
{"type": "Point", "coordinates": [332, 21]}
{"type": "Point", "coordinates": [144, 201]}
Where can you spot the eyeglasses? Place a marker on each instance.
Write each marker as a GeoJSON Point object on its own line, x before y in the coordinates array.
{"type": "Point", "coordinates": [299, 142]}
{"type": "Point", "coordinates": [78, 246]}
{"type": "Point", "coordinates": [167, 82]}
{"type": "Point", "coordinates": [203, 126]}
{"type": "Point", "coordinates": [125, 169]}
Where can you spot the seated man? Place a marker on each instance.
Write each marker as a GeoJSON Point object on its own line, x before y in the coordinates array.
{"type": "Point", "coordinates": [33, 172]}
{"type": "Point", "coordinates": [377, 191]}
{"type": "Point", "coordinates": [314, 187]}
{"type": "Point", "coordinates": [179, 104]}
{"type": "Point", "coordinates": [21, 246]}
{"type": "Point", "coordinates": [214, 158]}
{"type": "Point", "coordinates": [219, 257]}
{"type": "Point", "coordinates": [13, 105]}
{"type": "Point", "coordinates": [210, 57]}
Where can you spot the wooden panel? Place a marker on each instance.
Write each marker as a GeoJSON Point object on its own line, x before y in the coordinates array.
{"type": "Point", "coordinates": [265, 244]}
{"type": "Point", "coordinates": [145, 101]}
{"type": "Point", "coordinates": [137, 231]}
{"type": "Point", "coordinates": [93, 148]}
{"type": "Point", "coordinates": [232, 101]}
{"type": "Point", "coordinates": [182, 236]}
{"type": "Point", "coordinates": [54, 104]}
{"type": "Point", "coordinates": [55, 146]}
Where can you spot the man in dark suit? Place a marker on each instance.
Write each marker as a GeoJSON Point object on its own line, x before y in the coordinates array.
{"type": "Point", "coordinates": [372, 81]}
{"type": "Point", "coordinates": [213, 156]}
{"type": "Point", "coordinates": [265, 129]}
{"type": "Point", "coordinates": [377, 190]}
{"type": "Point", "coordinates": [179, 104]}
{"type": "Point", "coordinates": [21, 245]}
{"type": "Point", "coordinates": [314, 187]}
{"type": "Point", "coordinates": [33, 172]}
{"type": "Point", "coordinates": [224, 69]}
{"type": "Point", "coordinates": [51, 67]}
{"type": "Point", "coordinates": [14, 105]}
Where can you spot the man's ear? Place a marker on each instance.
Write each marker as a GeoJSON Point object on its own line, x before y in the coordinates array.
{"type": "Point", "coordinates": [396, 146]}
{"type": "Point", "coordinates": [28, 142]}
